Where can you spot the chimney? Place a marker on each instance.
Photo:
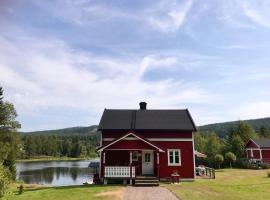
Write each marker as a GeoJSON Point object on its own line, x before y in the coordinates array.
{"type": "Point", "coordinates": [143, 105]}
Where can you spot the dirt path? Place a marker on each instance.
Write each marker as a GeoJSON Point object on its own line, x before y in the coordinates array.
{"type": "Point", "coordinates": [148, 193]}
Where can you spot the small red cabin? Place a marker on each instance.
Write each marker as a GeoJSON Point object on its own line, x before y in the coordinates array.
{"type": "Point", "coordinates": [258, 150]}
{"type": "Point", "coordinates": [144, 142]}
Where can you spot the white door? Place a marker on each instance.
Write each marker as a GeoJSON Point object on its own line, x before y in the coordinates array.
{"type": "Point", "coordinates": [147, 163]}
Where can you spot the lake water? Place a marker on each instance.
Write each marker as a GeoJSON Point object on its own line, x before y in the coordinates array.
{"type": "Point", "coordinates": [54, 173]}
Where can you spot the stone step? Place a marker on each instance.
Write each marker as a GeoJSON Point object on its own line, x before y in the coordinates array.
{"type": "Point", "coordinates": [146, 181]}
{"type": "Point", "coordinates": [147, 184]}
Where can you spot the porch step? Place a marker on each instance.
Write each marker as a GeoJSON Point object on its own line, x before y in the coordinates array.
{"type": "Point", "coordinates": [146, 181]}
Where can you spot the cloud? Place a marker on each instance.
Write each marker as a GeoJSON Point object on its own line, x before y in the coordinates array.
{"type": "Point", "coordinates": [51, 75]}
{"type": "Point", "coordinates": [173, 18]}
{"type": "Point", "coordinates": [245, 13]}
{"type": "Point", "coordinates": [256, 109]}
{"type": "Point", "coordinates": [152, 61]}
{"type": "Point", "coordinates": [164, 16]}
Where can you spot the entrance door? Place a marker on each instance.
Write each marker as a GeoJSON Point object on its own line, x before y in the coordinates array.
{"type": "Point", "coordinates": [147, 163]}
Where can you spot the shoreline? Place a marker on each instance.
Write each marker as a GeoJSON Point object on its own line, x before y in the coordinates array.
{"type": "Point", "coordinates": [53, 159]}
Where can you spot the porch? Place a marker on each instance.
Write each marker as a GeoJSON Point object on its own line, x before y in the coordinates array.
{"type": "Point", "coordinates": [129, 164]}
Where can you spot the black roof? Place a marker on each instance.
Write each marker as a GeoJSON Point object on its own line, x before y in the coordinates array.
{"type": "Point", "coordinates": [146, 120]}
{"type": "Point", "coordinates": [262, 142]}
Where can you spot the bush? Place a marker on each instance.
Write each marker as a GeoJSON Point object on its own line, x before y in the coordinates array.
{"type": "Point", "coordinates": [4, 181]}
{"type": "Point", "coordinates": [230, 157]}
{"type": "Point", "coordinates": [268, 174]}
{"type": "Point", "coordinates": [243, 163]}
{"type": "Point", "coordinates": [265, 166]}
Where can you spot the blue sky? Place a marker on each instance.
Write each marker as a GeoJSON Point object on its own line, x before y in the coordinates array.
{"type": "Point", "coordinates": [63, 61]}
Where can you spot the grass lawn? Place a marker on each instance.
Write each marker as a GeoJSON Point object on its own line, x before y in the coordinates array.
{"type": "Point", "coordinates": [68, 193]}
{"type": "Point", "coordinates": [230, 184]}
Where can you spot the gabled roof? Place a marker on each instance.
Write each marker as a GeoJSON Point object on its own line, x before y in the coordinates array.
{"type": "Point", "coordinates": [127, 135]}
{"type": "Point", "coordinates": [146, 120]}
{"type": "Point", "coordinates": [262, 142]}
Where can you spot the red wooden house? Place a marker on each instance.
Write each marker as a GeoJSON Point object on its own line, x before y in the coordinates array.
{"type": "Point", "coordinates": [144, 142]}
{"type": "Point", "coordinates": [258, 150]}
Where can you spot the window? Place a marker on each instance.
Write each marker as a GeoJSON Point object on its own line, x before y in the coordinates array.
{"type": "Point", "coordinates": [135, 156]}
{"type": "Point", "coordinates": [147, 157]}
{"type": "Point", "coordinates": [251, 153]}
{"type": "Point", "coordinates": [174, 157]}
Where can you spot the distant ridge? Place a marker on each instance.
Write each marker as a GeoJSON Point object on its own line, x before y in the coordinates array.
{"type": "Point", "coordinates": [221, 129]}
{"type": "Point", "coordinates": [80, 130]}
{"type": "Point", "coordinates": [224, 128]}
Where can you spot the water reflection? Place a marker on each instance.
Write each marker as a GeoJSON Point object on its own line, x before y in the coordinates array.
{"type": "Point", "coordinates": [54, 173]}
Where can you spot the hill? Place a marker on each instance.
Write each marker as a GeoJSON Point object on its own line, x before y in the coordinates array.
{"type": "Point", "coordinates": [223, 129]}
{"type": "Point", "coordinates": [66, 131]}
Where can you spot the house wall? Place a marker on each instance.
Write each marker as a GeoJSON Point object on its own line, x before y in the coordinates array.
{"type": "Point", "coordinates": [186, 170]}
{"type": "Point", "coordinates": [256, 154]}
{"type": "Point", "coordinates": [266, 155]}
{"type": "Point", "coordinates": [251, 144]}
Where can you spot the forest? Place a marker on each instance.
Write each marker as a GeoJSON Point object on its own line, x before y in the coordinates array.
{"type": "Point", "coordinates": [75, 146]}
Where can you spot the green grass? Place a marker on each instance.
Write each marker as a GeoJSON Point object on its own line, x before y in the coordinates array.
{"type": "Point", "coordinates": [230, 184]}
{"type": "Point", "coordinates": [85, 192]}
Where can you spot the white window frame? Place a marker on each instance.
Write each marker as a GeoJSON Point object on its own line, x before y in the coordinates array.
{"type": "Point", "coordinates": [168, 156]}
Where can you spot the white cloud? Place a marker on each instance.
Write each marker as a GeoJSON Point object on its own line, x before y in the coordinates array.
{"type": "Point", "coordinates": [165, 16]}
{"type": "Point", "coordinates": [52, 75]}
{"type": "Point", "coordinates": [252, 110]}
{"type": "Point", "coordinates": [245, 13]}
{"type": "Point", "coordinates": [154, 62]}
{"type": "Point", "coordinates": [174, 17]}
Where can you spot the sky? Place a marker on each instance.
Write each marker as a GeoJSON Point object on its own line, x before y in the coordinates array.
{"type": "Point", "coordinates": [63, 61]}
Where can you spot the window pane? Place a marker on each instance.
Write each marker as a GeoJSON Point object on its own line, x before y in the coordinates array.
{"type": "Point", "coordinates": [171, 159]}
{"type": "Point", "coordinates": [176, 153]}
{"type": "Point", "coordinates": [177, 159]}
{"type": "Point", "coordinates": [171, 153]}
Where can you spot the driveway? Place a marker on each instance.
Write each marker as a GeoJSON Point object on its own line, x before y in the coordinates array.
{"type": "Point", "coordinates": [148, 193]}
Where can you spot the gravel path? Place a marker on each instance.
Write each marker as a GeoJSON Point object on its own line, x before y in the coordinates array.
{"type": "Point", "coordinates": [148, 193]}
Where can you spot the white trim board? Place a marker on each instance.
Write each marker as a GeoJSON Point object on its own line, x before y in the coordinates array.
{"type": "Point", "coordinates": [125, 136]}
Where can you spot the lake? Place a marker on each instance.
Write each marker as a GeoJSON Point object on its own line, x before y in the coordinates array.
{"type": "Point", "coordinates": [54, 173]}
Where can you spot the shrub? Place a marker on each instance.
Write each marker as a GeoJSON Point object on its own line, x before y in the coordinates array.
{"type": "Point", "coordinates": [230, 157]}
{"type": "Point", "coordinates": [219, 160]}
{"type": "Point", "coordinates": [265, 166]}
{"type": "Point", "coordinates": [4, 181]}
{"type": "Point", "coordinates": [268, 174]}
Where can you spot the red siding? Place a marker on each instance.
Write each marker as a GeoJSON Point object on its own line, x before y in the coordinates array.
{"type": "Point", "coordinates": [266, 155]}
{"type": "Point", "coordinates": [251, 144]}
{"type": "Point", "coordinates": [256, 154]}
{"type": "Point", "coordinates": [186, 170]}
{"type": "Point", "coordinates": [131, 144]}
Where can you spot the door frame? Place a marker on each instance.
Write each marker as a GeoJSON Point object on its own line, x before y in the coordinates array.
{"type": "Point", "coordinates": [151, 160]}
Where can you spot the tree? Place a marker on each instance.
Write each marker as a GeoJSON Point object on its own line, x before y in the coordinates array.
{"type": "Point", "coordinates": [245, 131]}
{"type": "Point", "coordinates": [264, 132]}
{"type": "Point", "coordinates": [200, 142]}
{"type": "Point", "coordinates": [9, 138]}
{"type": "Point", "coordinates": [219, 160]}
{"type": "Point", "coordinates": [230, 157]}
{"type": "Point", "coordinates": [237, 146]}
{"type": "Point", "coordinates": [4, 181]}
{"type": "Point", "coordinates": [212, 145]}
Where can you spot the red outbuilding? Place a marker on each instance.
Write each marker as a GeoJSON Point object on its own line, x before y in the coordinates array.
{"type": "Point", "coordinates": [146, 143]}
{"type": "Point", "coordinates": [258, 150]}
